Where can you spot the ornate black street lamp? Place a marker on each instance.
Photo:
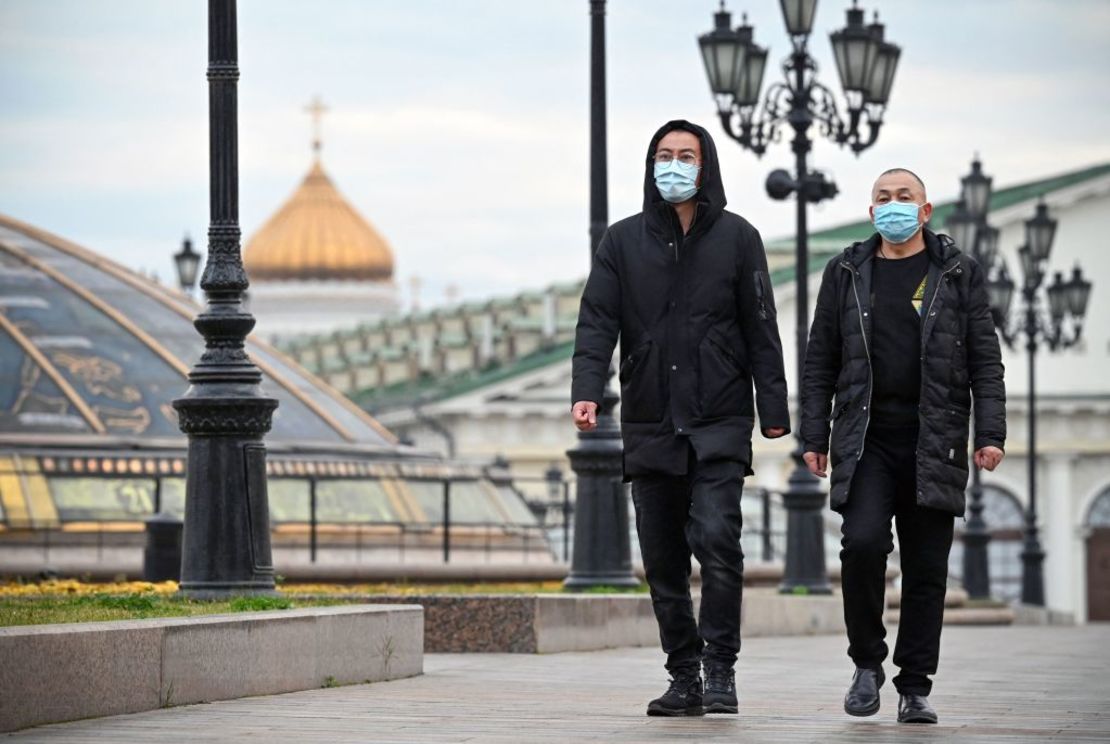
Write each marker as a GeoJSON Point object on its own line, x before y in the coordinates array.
{"type": "Point", "coordinates": [1058, 326]}
{"type": "Point", "coordinates": [602, 553]}
{"type": "Point", "coordinates": [187, 262]}
{"type": "Point", "coordinates": [226, 541]}
{"type": "Point", "coordinates": [866, 63]}
{"type": "Point", "coordinates": [967, 225]}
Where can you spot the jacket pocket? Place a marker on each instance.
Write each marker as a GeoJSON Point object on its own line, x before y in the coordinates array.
{"type": "Point", "coordinates": [838, 410]}
{"type": "Point", "coordinates": [722, 372]}
{"type": "Point", "coordinates": [641, 385]}
{"type": "Point", "coordinates": [958, 421]}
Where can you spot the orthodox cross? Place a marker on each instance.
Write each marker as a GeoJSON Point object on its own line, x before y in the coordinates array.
{"type": "Point", "coordinates": [316, 109]}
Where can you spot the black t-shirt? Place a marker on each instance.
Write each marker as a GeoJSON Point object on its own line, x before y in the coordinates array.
{"type": "Point", "coordinates": [897, 304]}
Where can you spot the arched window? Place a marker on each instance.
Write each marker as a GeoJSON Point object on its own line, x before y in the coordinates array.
{"type": "Point", "coordinates": [1099, 513]}
{"type": "Point", "coordinates": [1005, 521]}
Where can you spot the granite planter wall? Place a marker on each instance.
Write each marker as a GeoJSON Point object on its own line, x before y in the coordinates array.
{"type": "Point", "coordinates": [548, 623]}
{"type": "Point", "coordinates": [51, 673]}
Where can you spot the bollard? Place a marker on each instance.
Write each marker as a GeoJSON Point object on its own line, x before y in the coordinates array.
{"type": "Point", "coordinates": [162, 554]}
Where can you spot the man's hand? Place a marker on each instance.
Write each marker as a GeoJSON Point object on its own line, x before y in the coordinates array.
{"type": "Point", "coordinates": [987, 458]}
{"type": "Point", "coordinates": [585, 415]}
{"type": "Point", "coordinates": [817, 462]}
{"type": "Point", "coordinates": [774, 432]}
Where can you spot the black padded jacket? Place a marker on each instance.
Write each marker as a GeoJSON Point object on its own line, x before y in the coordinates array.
{"type": "Point", "coordinates": [695, 314]}
{"type": "Point", "coordinates": [960, 362]}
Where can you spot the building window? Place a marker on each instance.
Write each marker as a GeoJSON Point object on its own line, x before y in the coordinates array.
{"type": "Point", "coordinates": [1099, 515]}
{"type": "Point", "coordinates": [1006, 522]}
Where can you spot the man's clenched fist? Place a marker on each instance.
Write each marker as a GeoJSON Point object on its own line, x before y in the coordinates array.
{"type": "Point", "coordinates": [585, 415]}
{"type": "Point", "coordinates": [987, 458]}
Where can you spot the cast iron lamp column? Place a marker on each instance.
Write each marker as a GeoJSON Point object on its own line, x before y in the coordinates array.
{"type": "Point", "coordinates": [734, 64]}
{"type": "Point", "coordinates": [602, 552]}
{"type": "Point", "coordinates": [1067, 306]}
{"type": "Point", "coordinates": [226, 541]}
{"type": "Point", "coordinates": [967, 225]}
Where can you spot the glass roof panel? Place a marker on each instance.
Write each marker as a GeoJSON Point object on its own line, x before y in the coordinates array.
{"type": "Point", "coordinates": [125, 377]}
{"type": "Point", "coordinates": [31, 402]}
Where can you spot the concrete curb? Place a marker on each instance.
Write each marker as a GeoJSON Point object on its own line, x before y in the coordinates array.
{"type": "Point", "coordinates": [51, 673]}
{"type": "Point", "coordinates": [550, 623]}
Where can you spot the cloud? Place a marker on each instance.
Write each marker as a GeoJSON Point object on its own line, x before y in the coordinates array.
{"type": "Point", "coordinates": [465, 140]}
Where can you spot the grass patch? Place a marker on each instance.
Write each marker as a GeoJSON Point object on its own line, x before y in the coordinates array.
{"type": "Point", "coordinates": [255, 604]}
{"type": "Point", "coordinates": [87, 608]}
{"type": "Point", "coordinates": [70, 601]}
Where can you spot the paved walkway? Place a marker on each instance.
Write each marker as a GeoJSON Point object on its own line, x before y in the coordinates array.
{"type": "Point", "coordinates": [995, 685]}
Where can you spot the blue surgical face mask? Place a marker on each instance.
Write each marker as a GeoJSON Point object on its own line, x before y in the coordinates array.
{"type": "Point", "coordinates": [897, 221]}
{"type": "Point", "coordinates": [676, 181]}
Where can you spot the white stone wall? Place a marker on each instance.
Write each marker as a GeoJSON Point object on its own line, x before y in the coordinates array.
{"type": "Point", "coordinates": [288, 309]}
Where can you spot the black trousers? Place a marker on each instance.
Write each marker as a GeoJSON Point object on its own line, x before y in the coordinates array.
{"type": "Point", "coordinates": [698, 513]}
{"type": "Point", "coordinates": [884, 487]}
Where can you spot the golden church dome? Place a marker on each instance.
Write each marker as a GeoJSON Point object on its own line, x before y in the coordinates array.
{"type": "Point", "coordinates": [317, 234]}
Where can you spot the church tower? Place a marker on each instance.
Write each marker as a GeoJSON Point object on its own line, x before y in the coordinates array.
{"type": "Point", "coordinates": [317, 265]}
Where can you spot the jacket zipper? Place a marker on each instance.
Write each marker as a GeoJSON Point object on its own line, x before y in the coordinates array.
{"type": "Point", "coordinates": [674, 235]}
{"type": "Point", "coordinates": [936, 291]}
{"type": "Point", "coordinates": [867, 350]}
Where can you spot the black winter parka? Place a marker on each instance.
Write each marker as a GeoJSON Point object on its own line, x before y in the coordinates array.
{"type": "Point", "coordinates": [960, 360]}
{"type": "Point", "coordinates": [695, 314]}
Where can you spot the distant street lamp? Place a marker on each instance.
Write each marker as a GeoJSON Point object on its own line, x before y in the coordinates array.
{"type": "Point", "coordinates": [734, 65]}
{"type": "Point", "coordinates": [1058, 328]}
{"type": "Point", "coordinates": [967, 225]}
{"type": "Point", "coordinates": [187, 262]}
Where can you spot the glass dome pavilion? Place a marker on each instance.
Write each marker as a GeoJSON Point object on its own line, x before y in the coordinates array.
{"type": "Point", "coordinates": [92, 354]}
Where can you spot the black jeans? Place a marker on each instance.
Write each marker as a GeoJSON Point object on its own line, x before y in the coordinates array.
{"type": "Point", "coordinates": [697, 513]}
{"type": "Point", "coordinates": [884, 487]}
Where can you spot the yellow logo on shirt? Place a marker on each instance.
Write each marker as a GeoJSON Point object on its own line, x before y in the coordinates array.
{"type": "Point", "coordinates": [919, 296]}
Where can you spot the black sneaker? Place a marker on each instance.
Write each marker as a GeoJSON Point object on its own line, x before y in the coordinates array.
{"type": "Point", "coordinates": [720, 690]}
{"type": "Point", "coordinates": [682, 698]}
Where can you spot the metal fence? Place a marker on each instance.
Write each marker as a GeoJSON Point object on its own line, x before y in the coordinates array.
{"type": "Point", "coordinates": [763, 536]}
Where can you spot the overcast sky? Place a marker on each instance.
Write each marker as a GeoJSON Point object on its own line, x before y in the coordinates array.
{"type": "Point", "coordinates": [460, 127]}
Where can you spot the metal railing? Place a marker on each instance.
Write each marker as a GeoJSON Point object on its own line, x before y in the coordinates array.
{"type": "Point", "coordinates": [765, 535]}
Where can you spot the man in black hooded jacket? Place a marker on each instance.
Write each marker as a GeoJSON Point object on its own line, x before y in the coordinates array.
{"type": "Point", "coordinates": [902, 335]}
{"type": "Point", "coordinates": [684, 285]}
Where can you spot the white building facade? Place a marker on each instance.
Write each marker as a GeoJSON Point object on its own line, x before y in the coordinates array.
{"type": "Point", "coordinates": [524, 416]}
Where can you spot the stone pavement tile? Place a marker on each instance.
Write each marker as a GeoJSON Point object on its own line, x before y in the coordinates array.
{"type": "Point", "coordinates": [995, 685]}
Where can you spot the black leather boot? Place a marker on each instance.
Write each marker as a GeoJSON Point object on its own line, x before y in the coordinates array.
{"type": "Point", "coordinates": [682, 698]}
{"type": "Point", "coordinates": [720, 690]}
{"type": "Point", "coordinates": [915, 709]}
{"type": "Point", "coordinates": [863, 695]}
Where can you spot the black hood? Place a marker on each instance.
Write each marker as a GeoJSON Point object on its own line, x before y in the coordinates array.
{"type": "Point", "coordinates": [711, 192]}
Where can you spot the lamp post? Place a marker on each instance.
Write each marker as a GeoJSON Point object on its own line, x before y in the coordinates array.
{"type": "Point", "coordinates": [602, 553]}
{"type": "Point", "coordinates": [735, 64]}
{"type": "Point", "coordinates": [226, 541]}
{"type": "Point", "coordinates": [187, 262]}
{"type": "Point", "coordinates": [967, 225]}
{"type": "Point", "coordinates": [1058, 327]}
